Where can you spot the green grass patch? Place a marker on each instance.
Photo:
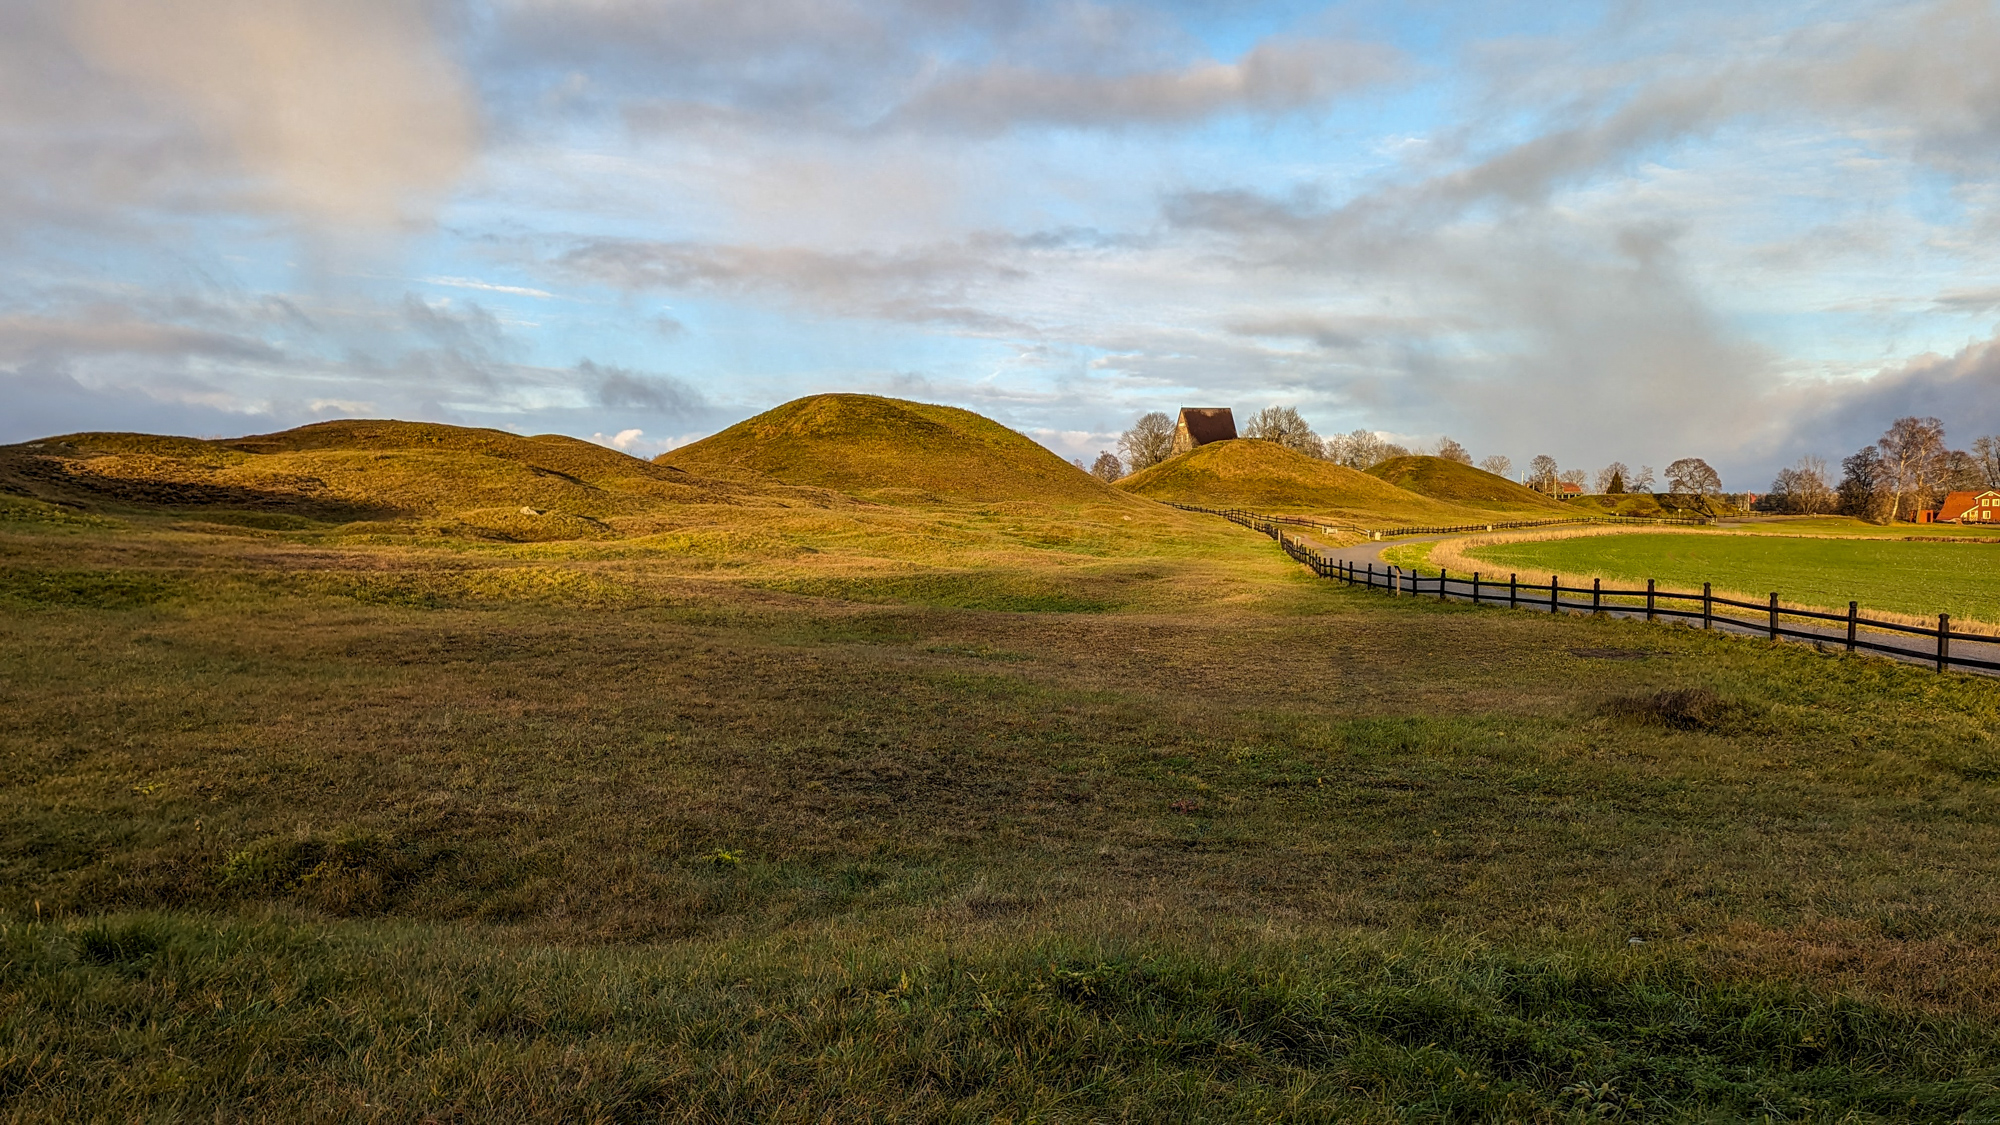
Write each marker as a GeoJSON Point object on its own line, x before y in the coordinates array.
{"type": "Point", "coordinates": [49, 588]}
{"type": "Point", "coordinates": [151, 1016]}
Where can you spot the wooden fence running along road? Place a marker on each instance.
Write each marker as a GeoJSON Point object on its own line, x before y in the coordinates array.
{"type": "Point", "coordinates": [1654, 602]}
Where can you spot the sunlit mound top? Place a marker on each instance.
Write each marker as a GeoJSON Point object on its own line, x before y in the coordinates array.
{"type": "Point", "coordinates": [891, 451]}
{"type": "Point", "coordinates": [354, 470]}
{"type": "Point", "coordinates": [1265, 477]}
{"type": "Point", "coordinates": [1460, 483]}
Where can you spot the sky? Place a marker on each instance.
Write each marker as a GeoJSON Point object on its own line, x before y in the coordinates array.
{"type": "Point", "coordinates": [1595, 231]}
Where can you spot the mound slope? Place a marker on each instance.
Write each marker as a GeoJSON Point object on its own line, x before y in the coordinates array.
{"type": "Point", "coordinates": [355, 470]}
{"type": "Point", "coordinates": [893, 451]}
{"type": "Point", "coordinates": [1266, 477]}
{"type": "Point", "coordinates": [1460, 483]}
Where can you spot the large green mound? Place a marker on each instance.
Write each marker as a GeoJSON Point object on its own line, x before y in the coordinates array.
{"type": "Point", "coordinates": [350, 470]}
{"type": "Point", "coordinates": [1266, 477]}
{"type": "Point", "coordinates": [891, 450]}
{"type": "Point", "coordinates": [1460, 483]}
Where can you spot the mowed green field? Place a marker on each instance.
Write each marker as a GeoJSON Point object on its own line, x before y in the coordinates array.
{"type": "Point", "coordinates": [1962, 579]}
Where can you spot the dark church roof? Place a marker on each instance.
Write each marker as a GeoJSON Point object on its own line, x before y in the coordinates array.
{"type": "Point", "coordinates": [1208, 423]}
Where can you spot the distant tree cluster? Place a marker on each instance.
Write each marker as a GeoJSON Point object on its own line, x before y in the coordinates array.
{"type": "Point", "coordinates": [1907, 470]}
{"type": "Point", "coordinates": [1151, 441]}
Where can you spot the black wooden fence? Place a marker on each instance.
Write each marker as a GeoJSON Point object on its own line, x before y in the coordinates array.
{"type": "Point", "coordinates": [1653, 602]}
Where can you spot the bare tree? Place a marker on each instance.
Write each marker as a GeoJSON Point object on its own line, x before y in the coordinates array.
{"type": "Point", "coordinates": [1693, 476]}
{"type": "Point", "coordinates": [1357, 450]}
{"type": "Point", "coordinates": [1544, 474]}
{"type": "Point", "coordinates": [1803, 489]}
{"type": "Point", "coordinates": [1913, 454]}
{"type": "Point", "coordinates": [1986, 455]}
{"type": "Point", "coordinates": [1962, 473]}
{"type": "Point", "coordinates": [1451, 451]}
{"type": "Point", "coordinates": [1149, 441]}
{"type": "Point", "coordinates": [1642, 481]}
{"type": "Point", "coordinates": [1282, 424]}
{"type": "Point", "coordinates": [1107, 467]}
{"type": "Point", "coordinates": [1500, 465]}
{"type": "Point", "coordinates": [1611, 478]}
{"type": "Point", "coordinates": [1573, 477]}
{"type": "Point", "coordinates": [1864, 487]}
{"type": "Point", "coordinates": [1812, 493]}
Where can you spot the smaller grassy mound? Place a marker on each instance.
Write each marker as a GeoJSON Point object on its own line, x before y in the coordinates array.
{"type": "Point", "coordinates": [1460, 483]}
{"type": "Point", "coordinates": [541, 487]}
{"type": "Point", "coordinates": [892, 451]}
{"type": "Point", "coordinates": [1644, 505]}
{"type": "Point", "coordinates": [1266, 477]}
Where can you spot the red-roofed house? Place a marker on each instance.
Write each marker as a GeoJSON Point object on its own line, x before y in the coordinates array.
{"type": "Point", "coordinates": [1971, 507]}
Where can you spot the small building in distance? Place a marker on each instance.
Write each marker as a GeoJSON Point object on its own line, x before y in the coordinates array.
{"type": "Point", "coordinates": [1971, 507]}
{"type": "Point", "coordinates": [1200, 425]}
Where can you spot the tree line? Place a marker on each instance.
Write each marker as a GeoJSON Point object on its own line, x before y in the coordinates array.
{"type": "Point", "coordinates": [1151, 441]}
{"type": "Point", "coordinates": [1909, 469]}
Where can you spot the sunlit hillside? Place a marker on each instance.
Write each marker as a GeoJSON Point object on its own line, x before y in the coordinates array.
{"type": "Point", "coordinates": [1460, 483]}
{"type": "Point", "coordinates": [1266, 477]}
{"type": "Point", "coordinates": [443, 477]}
{"type": "Point", "coordinates": [849, 497]}
{"type": "Point", "coordinates": [893, 451]}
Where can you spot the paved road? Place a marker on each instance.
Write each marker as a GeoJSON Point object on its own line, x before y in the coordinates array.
{"type": "Point", "coordinates": [1916, 649]}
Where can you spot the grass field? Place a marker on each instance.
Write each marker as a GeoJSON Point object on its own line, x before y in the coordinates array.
{"type": "Point", "coordinates": [950, 810]}
{"type": "Point", "coordinates": [1915, 578]}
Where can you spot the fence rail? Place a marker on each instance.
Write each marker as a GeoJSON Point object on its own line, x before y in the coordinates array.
{"type": "Point", "coordinates": [1654, 602]}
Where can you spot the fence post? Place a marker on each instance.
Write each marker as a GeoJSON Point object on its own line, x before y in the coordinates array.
{"type": "Point", "coordinates": [1649, 599]}
{"type": "Point", "coordinates": [1944, 641]}
{"type": "Point", "coordinates": [1371, 576]}
{"type": "Point", "coordinates": [1774, 615]}
{"type": "Point", "coordinates": [1475, 587]}
{"type": "Point", "coordinates": [1853, 613]}
{"type": "Point", "coordinates": [1555, 593]}
{"type": "Point", "coordinates": [1513, 590]}
{"type": "Point", "coordinates": [1441, 582]}
{"type": "Point", "coordinates": [1707, 607]}
{"type": "Point", "coordinates": [1596, 596]}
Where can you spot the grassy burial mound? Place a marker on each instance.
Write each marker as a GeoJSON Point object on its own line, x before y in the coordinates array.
{"type": "Point", "coordinates": [948, 508]}
{"type": "Point", "coordinates": [893, 451]}
{"type": "Point", "coordinates": [1266, 477]}
{"type": "Point", "coordinates": [512, 487]}
{"type": "Point", "coordinates": [1460, 483]}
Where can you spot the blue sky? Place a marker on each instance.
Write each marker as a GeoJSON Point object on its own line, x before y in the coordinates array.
{"type": "Point", "coordinates": [1597, 231]}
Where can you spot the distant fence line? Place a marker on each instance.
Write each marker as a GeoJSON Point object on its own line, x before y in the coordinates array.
{"type": "Point", "coordinates": [1514, 594]}
{"type": "Point", "coordinates": [1253, 519]}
